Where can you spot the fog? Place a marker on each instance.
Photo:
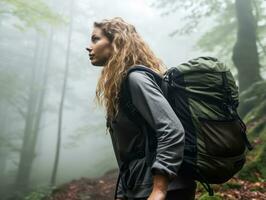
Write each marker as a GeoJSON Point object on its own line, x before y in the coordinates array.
{"type": "Point", "coordinates": [28, 52]}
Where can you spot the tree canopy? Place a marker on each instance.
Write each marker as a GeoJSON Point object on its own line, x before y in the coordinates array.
{"type": "Point", "coordinates": [221, 35]}
{"type": "Point", "coordinates": [29, 13]}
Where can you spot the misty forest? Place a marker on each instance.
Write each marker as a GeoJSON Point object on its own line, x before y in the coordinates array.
{"type": "Point", "coordinates": [53, 140]}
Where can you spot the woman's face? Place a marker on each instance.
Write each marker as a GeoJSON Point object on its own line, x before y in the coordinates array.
{"type": "Point", "coordinates": [100, 49]}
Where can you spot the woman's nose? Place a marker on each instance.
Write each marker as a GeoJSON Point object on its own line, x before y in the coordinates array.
{"type": "Point", "coordinates": [89, 49]}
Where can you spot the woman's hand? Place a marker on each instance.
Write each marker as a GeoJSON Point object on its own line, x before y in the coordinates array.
{"type": "Point", "coordinates": [160, 185]}
{"type": "Point", "coordinates": [157, 195]}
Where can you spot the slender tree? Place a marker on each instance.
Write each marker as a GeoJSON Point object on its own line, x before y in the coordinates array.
{"type": "Point", "coordinates": [43, 90]}
{"type": "Point", "coordinates": [26, 160]}
{"type": "Point", "coordinates": [3, 150]}
{"type": "Point", "coordinates": [61, 107]}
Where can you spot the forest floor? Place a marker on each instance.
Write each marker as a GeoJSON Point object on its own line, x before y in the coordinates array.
{"type": "Point", "coordinates": [103, 189]}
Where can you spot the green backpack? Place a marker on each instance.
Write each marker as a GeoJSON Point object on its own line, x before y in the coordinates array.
{"type": "Point", "coordinates": [204, 96]}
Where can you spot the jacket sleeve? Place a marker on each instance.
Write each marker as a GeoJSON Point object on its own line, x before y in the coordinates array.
{"type": "Point", "coordinates": [148, 98]}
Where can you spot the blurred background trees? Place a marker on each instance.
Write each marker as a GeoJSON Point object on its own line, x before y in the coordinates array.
{"type": "Point", "coordinates": [235, 29]}
{"type": "Point", "coordinates": [47, 90]}
{"type": "Point", "coordinates": [26, 104]}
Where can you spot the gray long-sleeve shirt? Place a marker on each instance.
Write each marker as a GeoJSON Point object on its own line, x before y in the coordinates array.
{"type": "Point", "coordinates": [164, 125]}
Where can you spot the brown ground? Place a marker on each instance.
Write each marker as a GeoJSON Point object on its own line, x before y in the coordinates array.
{"type": "Point", "coordinates": [103, 189]}
{"type": "Point", "coordinates": [87, 189]}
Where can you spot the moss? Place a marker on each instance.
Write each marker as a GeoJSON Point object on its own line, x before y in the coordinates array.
{"type": "Point", "coordinates": [39, 193]}
{"type": "Point", "coordinates": [261, 161]}
{"type": "Point", "coordinates": [248, 172]}
{"type": "Point", "coordinates": [258, 129]}
{"type": "Point", "coordinates": [256, 113]}
{"type": "Point", "coordinates": [207, 197]}
{"type": "Point", "coordinates": [229, 185]}
{"type": "Point", "coordinates": [255, 118]}
{"type": "Point", "coordinates": [255, 169]}
{"type": "Point", "coordinates": [251, 97]}
{"type": "Point", "coordinates": [257, 189]}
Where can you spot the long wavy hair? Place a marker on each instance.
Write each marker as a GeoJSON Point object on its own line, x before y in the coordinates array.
{"type": "Point", "coordinates": [129, 49]}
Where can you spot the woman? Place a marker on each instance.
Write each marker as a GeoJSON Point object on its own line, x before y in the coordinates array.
{"type": "Point", "coordinates": [117, 46]}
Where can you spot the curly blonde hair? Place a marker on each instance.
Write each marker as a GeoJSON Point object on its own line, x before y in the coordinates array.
{"type": "Point", "coordinates": [129, 49]}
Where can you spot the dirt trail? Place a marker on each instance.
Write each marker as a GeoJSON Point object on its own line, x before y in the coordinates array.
{"type": "Point", "coordinates": [87, 189]}
{"type": "Point", "coordinates": [103, 189]}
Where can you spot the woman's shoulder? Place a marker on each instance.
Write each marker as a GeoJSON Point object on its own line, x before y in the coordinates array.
{"type": "Point", "coordinates": [144, 81]}
{"type": "Point", "coordinates": [139, 77]}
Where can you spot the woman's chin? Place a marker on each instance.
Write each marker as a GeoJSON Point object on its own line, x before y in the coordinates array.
{"type": "Point", "coordinates": [96, 64]}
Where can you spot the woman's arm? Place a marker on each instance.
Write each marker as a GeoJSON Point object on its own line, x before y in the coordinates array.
{"type": "Point", "coordinates": [148, 98]}
{"type": "Point", "coordinates": [159, 190]}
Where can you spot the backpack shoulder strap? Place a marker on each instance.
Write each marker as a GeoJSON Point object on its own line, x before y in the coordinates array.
{"type": "Point", "coordinates": [131, 111]}
{"type": "Point", "coordinates": [125, 97]}
{"type": "Point", "coordinates": [162, 81]}
{"type": "Point", "coordinates": [156, 76]}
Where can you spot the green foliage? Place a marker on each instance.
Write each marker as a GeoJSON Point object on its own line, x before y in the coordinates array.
{"type": "Point", "coordinates": [195, 11]}
{"type": "Point", "coordinates": [225, 32]}
{"type": "Point", "coordinates": [220, 36]}
{"type": "Point", "coordinates": [255, 170]}
{"type": "Point", "coordinates": [30, 13]}
{"type": "Point", "coordinates": [254, 100]}
{"type": "Point", "coordinates": [231, 185]}
{"type": "Point", "coordinates": [207, 197]}
{"type": "Point", "coordinates": [39, 194]}
{"type": "Point", "coordinates": [251, 101]}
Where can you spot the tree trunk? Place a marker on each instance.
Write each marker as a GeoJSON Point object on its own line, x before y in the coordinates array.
{"type": "Point", "coordinates": [61, 108]}
{"type": "Point", "coordinates": [40, 106]}
{"type": "Point", "coordinates": [35, 110]}
{"type": "Point", "coordinates": [3, 149]}
{"type": "Point", "coordinates": [25, 162]}
{"type": "Point", "coordinates": [245, 52]}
